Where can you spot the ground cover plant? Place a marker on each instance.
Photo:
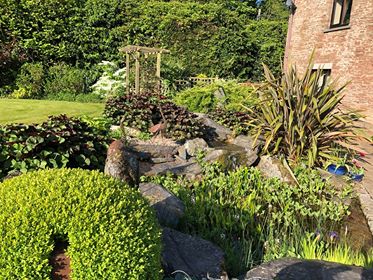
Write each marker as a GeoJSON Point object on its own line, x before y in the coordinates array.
{"type": "Point", "coordinates": [235, 120]}
{"type": "Point", "coordinates": [247, 215]}
{"type": "Point", "coordinates": [144, 110]}
{"type": "Point", "coordinates": [58, 142]}
{"type": "Point", "coordinates": [111, 230]}
{"type": "Point", "coordinates": [33, 111]}
{"type": "Point", "coordinates": [301, 119]}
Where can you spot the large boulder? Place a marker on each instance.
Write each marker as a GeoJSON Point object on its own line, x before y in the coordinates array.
{"type": "Point", "coordinates": [219, 155]}
{"type": "Point", "coordinates": [193, 255]}
{"type": "Point", "coordinates": [215, 131]}
{"type": "Point", "coordinates": [296, 269]}
{"type": "Point", "coordinates": [168, 207]}
{"type": "Point", "coordinates": [192, 147]}
{"type": "Point", "coordinates": [232, 156]}
{"type": "Point", "coordinates": [244, 141]}
{"type": "Point", "coordinates": [122, 163]}
{"type": "Point", "coordinates": [273, 167]}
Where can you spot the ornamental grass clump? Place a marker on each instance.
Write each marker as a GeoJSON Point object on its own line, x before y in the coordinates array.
{"type": "Point", "coordinates": [300, 118]}
{"type": "Point", "coordinates": [111, 229]}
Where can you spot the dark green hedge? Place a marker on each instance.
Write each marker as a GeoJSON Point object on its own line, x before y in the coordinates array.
{"type": "Point", "coordinates": [217, 38]}
{"type": "Point", "coordinates": [111, 230]}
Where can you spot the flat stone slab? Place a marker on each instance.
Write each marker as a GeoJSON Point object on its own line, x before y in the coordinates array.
{"type": "Point", "coordinates": [168, 207]}
{"type": "Point", "coordinates": [216, 131]}
{"type": "Point", "coordinates": [155, 151]}
{"type": "Point", "coordinates": [190, 168]}
{"type": "Point", "coordinates": [297, 269]}
{"type": "Point", "coordinates": [193, 255]}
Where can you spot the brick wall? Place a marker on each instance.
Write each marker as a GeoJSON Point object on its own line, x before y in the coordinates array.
{"type": "Point", "coordinates": [350, 50]}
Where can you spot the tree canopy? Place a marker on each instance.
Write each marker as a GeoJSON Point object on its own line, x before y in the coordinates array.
{"type": "Point", "coordinates": [217, 38]}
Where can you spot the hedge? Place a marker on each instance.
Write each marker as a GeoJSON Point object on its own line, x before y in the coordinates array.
{"type": "Point", "coordinates": [111, 230]}
{"type": "Point", "coordinates": [216, 38]}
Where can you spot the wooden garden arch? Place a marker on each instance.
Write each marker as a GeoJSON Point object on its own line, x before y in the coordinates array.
{"type": "Point", "coordinates": [136, 52]}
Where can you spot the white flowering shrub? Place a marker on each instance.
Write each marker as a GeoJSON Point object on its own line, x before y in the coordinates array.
{"type": "Point", "coordinates": [112, 81]}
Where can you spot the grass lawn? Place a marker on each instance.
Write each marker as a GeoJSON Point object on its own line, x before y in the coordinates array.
{"type": "Point", "coordinates": [31, 111]}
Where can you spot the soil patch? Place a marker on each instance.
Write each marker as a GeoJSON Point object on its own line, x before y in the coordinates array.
{"type": "Point", "coordinates": [60, 262]}
{"type": "Point", "coordinates": [358, 231]}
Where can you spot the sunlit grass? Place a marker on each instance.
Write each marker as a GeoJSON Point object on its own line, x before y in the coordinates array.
{"type": "Point", "coordinates": [31, 111]}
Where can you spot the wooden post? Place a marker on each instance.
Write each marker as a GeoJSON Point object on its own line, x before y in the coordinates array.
{"type": "Point", "coordinates": [137, 78]}
{"type": "Point", "coordinates": [158, 73]}
{"type": "Point", "coordinates": [127, 73]}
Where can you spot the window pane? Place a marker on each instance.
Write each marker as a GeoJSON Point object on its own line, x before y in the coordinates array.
{"type": "Point", "coordinates": [346, 12]}
{"type": "Point", "coordinates": [338, 6]}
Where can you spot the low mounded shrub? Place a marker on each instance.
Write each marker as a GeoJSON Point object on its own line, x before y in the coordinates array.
{"type": "Point", "coordinates": [145, 110]}
{"type": "Point", "coordinates": [58, 142]}
{"type": "Point", "coordinates": [29, 81]}
{"type": "Point", "coordinates": [202, 98]}
{"type": "Point", "coordinates": [64, 82]}
{"type": "Point", "coordinates": [111, 230]}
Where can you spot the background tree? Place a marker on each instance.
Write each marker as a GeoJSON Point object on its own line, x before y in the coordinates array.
{"type": "Point", "coordinates": [274, 9]}
{"type": "Point", "coordinates": [216, 38]}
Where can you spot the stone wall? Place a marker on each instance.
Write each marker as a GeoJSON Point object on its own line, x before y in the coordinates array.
{"type": "Point", "coordinates": [350, 51]}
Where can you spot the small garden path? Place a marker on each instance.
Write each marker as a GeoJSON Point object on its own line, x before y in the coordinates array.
{"type": "Point", "coordinates": [365, 189]}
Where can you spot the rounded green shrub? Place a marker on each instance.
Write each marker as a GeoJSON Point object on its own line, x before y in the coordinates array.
{"type": "Point", "coordinates": [202, 97]}
{"type": "Point", "coordinates": [111, 230]}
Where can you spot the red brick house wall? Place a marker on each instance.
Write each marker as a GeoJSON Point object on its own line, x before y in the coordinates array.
{"type": "Point", "coordinates": [349, 50]}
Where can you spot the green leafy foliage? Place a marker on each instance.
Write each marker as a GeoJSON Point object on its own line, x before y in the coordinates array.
{"type": "Point", "coordinates": [274, 9]}
{"type": "Point", "coordinates": [30, 81]}
{"type": "Point", "coordinates": [321, 244]}
{"type": "Point", "coordinates": [206, 98]}
{"type": "Point", "coordinates": [64, 80]}
{"type": "Point", "coordinates": [111, 230]}
{"type": "Point", "coordinates": [299, 118]}
{"type": "Point", "coordinates": [213, 38]}
{"type": "Point", "coordinates": [217, 38]}
{"type": "Point", "coordinates": [146, 109]}
{"type": "Point", "coordinates": [59, 142]}
{"type": "Point", "coordinates": [325, 246]}
{"type": "Point", "coordinates": [241, 211]}
{"type": "Point", "coordinates": [237, 121]}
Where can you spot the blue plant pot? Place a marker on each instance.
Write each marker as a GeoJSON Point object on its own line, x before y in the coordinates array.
{"type": "Point", "coordinates": [340, 170]}
{"type": "Point", "coordinates": [357, 177]}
